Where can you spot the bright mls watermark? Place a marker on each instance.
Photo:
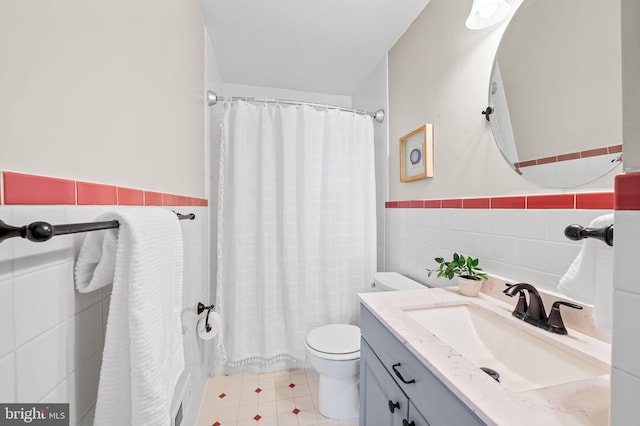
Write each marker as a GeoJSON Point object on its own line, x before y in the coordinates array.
{"type": "Point", "coordinates": [34, 414]}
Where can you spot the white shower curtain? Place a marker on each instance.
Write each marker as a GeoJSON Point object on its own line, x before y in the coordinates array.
{"type": "Point", "coordinates": [296, 228]}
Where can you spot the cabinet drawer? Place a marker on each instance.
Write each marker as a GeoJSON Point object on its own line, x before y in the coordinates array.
{"type": "Point", "coordinates": [433, 399]}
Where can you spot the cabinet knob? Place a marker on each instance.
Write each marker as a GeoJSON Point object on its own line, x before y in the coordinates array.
{"type": "Point", "coordinates": [393, 406]}
{"type": "Point", "coordinates": [406, 423]}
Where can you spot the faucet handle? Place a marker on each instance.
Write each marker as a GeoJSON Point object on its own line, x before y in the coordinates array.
{"type": "Point", "coordinates": [522, 306]}
{"type": "Point", "coordinates": [555, 322]}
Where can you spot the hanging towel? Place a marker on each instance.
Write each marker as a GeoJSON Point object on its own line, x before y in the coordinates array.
{"type": "Point", "coordinates": [589, 278]}
{"type": "Point", "coordinates": [143, 351]}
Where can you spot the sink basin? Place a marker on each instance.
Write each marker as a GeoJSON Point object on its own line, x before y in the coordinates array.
{"type": "Point", "coordinates": [523, 360]}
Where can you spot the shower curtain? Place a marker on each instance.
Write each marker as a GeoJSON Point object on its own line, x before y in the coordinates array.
{"type": "Point", "coordinates": [296, 228]}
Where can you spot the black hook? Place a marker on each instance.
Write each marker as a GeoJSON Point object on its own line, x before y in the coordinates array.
{"type": "Point", "coordinates": [487, 112]}
{"type": "Point", "coordinates": [201, 309]}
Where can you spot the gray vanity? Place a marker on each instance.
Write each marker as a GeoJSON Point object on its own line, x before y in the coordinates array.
{"type": "Point", "coordinates": [398, 389]}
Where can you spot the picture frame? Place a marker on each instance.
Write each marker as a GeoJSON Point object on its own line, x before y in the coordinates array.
{"type": "Point", "coordinates": [416, 154]}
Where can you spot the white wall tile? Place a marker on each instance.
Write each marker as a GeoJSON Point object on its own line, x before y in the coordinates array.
{"type": "Point", "coordinates": [87, 419]}
{"type": "Point", "coordinates": [560, 256]}
{"type": "Point", "coordinates": [43, 299]}
{"type": "Point", "coordinates": [42, 364]}
{"type": "Point", "coordinates": [626, 349]}
{"type": "Point", "coordinates": [83, 387]}
{"type": "Point", "coordinates": [8, 382]}
{"type": "Point", "coordinates": [558, 220]}
{"type": "Point", "coordinates": [531, 254]}
{"type": "Point", "coordinates": [532, 224]}
{"type": "Point", "coordinates": [495, 236]}
{"type": "Point", "coordinates": [503, 249]}
{"type": "Point", "coordinates": [480, 245]}
{"type": "Point", "coordinates": [447, 218]}
{"type": "Point", "coordinates": [59, 394]}
{"type": "Point", "coordinates": [624, 398]}
{"type": "Point", "coordinates": [462, 243]}
{"type": "Point", "coordinates": [7, 338]}
{"type": "Point", "coordinates": [60, 331]}
{"type": "Point", "coordinates": [504, 222]}
{"type": "Point", "coordinates": [625, 266]}
{"type": "Point", "coordinates": [85, 335]}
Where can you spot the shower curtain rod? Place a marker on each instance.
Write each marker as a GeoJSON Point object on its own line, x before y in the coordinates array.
{"type": "Point", "coordinates": [213, 98]}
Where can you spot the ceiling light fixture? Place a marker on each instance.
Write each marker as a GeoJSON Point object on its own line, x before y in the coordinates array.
{"type": "Point", "coordinates": [485, 13]}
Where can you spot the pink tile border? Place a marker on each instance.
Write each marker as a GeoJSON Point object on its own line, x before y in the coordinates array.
{"type": "Point", "coordinates": [130, 197]}
{"type": "Point", "coordinates": [627, 195]}
{"type": "Point", "coordinates": [20, 188]}
{"type": "Point", "coordinates": [96, 194]}
{"type": "Point", "coordinates": [570, 156]}
{"type": "Point", "coordinates": [586, 201]}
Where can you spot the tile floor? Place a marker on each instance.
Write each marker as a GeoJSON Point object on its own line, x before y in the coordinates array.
{"type": "Point", "coordinates": [282, 398]}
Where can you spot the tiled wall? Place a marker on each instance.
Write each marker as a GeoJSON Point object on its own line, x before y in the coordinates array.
{"type": "Point", "coordinates": [51, 336]}
{"type": "Point", "coordinates": [518, 238]}
{"type": "Point", "coordinates": [625, 373]}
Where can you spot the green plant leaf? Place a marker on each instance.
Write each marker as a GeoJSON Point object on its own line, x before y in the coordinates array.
{"type": "Point", "coordinates": [439, 259]}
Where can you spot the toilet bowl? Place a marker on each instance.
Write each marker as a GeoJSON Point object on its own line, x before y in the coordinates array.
{"type": "Point", "coordinates": [334, 352]}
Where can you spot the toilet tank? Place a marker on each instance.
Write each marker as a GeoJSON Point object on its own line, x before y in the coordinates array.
{"type": "Point", "coordinates": [393, 281]}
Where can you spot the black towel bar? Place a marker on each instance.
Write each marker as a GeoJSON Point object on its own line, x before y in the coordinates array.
{"type": "Point", "coordinates": [578, 232]}
{"type": "Point", "coordinates": [42, 231]}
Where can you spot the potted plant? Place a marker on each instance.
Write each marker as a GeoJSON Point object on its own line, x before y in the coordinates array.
{"type": "Point", "coordinates": [470, 275]}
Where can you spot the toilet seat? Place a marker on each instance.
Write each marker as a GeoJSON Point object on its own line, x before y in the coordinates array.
{"type": "Point", "coordinates": [338, 342]}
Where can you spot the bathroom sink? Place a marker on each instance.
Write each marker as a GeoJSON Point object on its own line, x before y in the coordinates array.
{"type": "Point", "coordinates": [523, 360]}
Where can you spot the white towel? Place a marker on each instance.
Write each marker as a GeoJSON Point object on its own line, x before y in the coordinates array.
{"type": "Point", "coordinates": [143, 351]}
{"type": "Point", "coordinates": [589, 278]}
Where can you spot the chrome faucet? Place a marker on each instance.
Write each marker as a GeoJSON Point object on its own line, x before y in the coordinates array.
{"type": "Point", "coordinates": [532, 310]}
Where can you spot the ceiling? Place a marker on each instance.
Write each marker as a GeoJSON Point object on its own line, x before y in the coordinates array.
{"type": "Point", "coordinates": [325, 46]}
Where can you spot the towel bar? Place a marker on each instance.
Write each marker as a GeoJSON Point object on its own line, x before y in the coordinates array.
{"type": "Point", "coordinates": [578, 232]}
{"type": "Point", "coordinates": [42, 231]}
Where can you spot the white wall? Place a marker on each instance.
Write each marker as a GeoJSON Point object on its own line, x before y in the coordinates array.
{"type": "Point", "coordinates": [439, 74]}
{"type": "Point", "coordinates": [372, 96]}
{"type": "Point", "coordinates": [293, 95]}
{"type": "Point", "coordinates": [51, 336]}
{"type": "Point", "coordinates": [108, 92]}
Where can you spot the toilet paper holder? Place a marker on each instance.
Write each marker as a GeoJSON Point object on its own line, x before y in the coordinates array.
{"type": "Point", "coordinates": [201, 309]}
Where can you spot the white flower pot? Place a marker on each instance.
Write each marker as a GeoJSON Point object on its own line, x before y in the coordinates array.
{"type": "Point", "coordinates": [469, 287]}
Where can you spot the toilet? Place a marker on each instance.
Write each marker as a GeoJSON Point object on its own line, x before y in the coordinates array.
{"type": "Point", "coordinates": [334, 352]}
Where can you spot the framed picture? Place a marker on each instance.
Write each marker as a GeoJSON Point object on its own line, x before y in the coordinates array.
{"type": "Point", "coordinates": [416, 154]}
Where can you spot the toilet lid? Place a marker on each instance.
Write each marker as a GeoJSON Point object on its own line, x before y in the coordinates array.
{"type": "Point", "coordinates": [335, 339]}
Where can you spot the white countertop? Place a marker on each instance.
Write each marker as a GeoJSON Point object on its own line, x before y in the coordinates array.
{"type": "Point", "coordinates": [585, 402]}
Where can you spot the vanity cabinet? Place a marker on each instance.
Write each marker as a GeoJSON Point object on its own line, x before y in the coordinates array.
{"type": "Point", "coordinates": [396, 389]}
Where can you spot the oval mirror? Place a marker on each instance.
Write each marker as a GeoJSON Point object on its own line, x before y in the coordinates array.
{"type": "Point", "coordinates": [555, 92]}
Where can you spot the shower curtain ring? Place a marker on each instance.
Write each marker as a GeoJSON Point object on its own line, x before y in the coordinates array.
{"type": "Point", "coordinates": [201, 309]}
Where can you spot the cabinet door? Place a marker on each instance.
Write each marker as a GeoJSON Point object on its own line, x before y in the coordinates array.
{"type": "Point", "coordinates": [415, 418]}
{"type": "Point", "coordinates": [382, 403]}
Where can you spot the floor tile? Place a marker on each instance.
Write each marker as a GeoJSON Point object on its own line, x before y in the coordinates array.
{"type": "Point", "coordinates": [280, 398]}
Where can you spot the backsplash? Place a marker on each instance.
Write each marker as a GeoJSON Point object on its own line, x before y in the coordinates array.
{"type": "Point", "coordinates": [519, 238]}
{"type": "Point", "coordinates": [51, 336]}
